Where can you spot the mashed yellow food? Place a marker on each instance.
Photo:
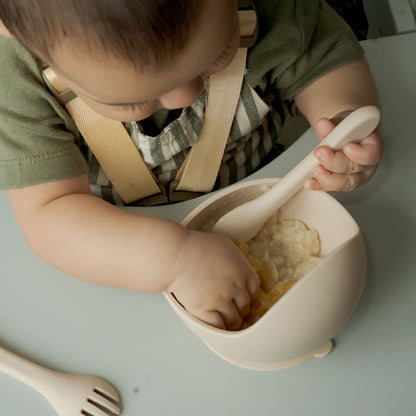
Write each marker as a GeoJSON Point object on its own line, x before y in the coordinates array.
{"type": "Point", "coordinates": [282, 252]}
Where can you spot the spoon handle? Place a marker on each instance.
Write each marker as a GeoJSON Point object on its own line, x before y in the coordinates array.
{"type": "Point", "coordinates": [24, 370]}
{"type": "Point", "coordinates": [355, 127]}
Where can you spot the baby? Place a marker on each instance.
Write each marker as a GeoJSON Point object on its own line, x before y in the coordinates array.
{"type": "Point", "coordinates": [142, 62]}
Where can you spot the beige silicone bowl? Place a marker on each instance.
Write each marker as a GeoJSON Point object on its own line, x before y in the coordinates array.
{"type": "Point", "coordinates": [301, 324]}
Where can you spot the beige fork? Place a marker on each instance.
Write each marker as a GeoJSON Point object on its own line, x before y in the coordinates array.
{"type": "Point", "coordinates": [69, 394]}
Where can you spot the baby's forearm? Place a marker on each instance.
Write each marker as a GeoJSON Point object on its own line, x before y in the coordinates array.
{"type": "Point", "coordinates": [92, 240]}
{"type": "Point", "coordinates": [89, 239]}
{"type": "Point", "coordinates": [344, 89]}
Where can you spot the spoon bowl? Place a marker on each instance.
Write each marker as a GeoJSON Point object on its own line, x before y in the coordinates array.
{"type": "Point", "coordinates": [244, 221]}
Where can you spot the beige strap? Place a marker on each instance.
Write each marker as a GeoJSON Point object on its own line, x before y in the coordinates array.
{"type": "Point", "coordinates": [112, 146]}
{"type": "Point", "coordinates": [200, 169]}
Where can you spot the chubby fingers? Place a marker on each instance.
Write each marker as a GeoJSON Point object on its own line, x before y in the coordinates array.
{"type": "Point", "coordinates": [329, 181]}
{"type": "Point", "coordinates": [230, 314]}
{"type": "Point", "coordinates": [253, 283]}
{"type": "Point", "coordinates": [347, 169]}
{"type": "Point", "coordinates": [366, 153]}
{"type": "Point", "coordinates": [241, 303]}
{"type": "Point", "coordinates": [227, 316]}
{"type": "Point", "coordinates": [243, 299]}
{"type": "Point", "coordinates": [353, 157]}
{"type": "Point", "coordinates": [212, 318]}
{"type": "Point", "coordinates": [234, 311]}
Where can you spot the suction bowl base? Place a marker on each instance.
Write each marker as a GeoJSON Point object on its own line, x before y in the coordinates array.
{"type": "Point", "coordinates": [276, 365]}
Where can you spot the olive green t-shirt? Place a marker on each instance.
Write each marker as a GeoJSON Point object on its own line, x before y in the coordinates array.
{"type": "Point", "coordinates": [298, 41]}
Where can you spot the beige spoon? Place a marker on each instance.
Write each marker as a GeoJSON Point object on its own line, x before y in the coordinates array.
{"type": "Point", "coordinates": [243, 222]}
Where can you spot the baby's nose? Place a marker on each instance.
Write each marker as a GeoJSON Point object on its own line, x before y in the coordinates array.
{"type": "Point", "coordinates": [182, 96]}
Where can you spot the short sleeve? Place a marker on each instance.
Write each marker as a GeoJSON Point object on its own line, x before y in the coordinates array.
{"type": "Point", "coordinates": [38, 140]}
{"type": "Point", "coordinates": [300, 41]}
{"type": "Point", "coordinates": [329, 45]}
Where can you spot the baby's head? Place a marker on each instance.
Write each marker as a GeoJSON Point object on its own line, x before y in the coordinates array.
{"type": "Point", "coordinates": [125, 58]}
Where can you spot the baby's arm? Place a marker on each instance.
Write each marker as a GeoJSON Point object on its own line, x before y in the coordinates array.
{"type": "Point", "coordinates": [324, 103]}
{"type": "Point", "coordinates": [92, 240]}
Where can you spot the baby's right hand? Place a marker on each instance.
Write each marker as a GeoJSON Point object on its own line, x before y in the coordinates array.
{"type": "Point", "coordinates": [213, 280]}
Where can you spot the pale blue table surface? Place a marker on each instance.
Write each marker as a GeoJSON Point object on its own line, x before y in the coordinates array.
{"type": "Point", "coordinates": [160, 368]}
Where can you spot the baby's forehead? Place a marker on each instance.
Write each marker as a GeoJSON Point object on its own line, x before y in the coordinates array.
{"type": "Point", "coordinates": [105, 77]}
{"type": "Point", "coordinates": [146, 33]}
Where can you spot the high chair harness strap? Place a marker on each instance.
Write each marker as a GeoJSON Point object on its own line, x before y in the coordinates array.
{"type": "Point", "coordinates": [200, 168]}
{"type": "Point", "coordinates": [111, 145]}
{"type": "Point", "coordinates": [118, 155]}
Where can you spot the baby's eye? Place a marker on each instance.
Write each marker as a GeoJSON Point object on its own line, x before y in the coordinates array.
{"type": "Point", "coordinates": [224, 56]}
{"type": "Point", "coordinates": [228, 51]}
{"type": "Point", "coordinates": [135, 106]}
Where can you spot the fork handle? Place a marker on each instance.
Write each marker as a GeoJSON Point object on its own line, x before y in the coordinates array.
{"type": "Point", "coordinates": [24, 370]}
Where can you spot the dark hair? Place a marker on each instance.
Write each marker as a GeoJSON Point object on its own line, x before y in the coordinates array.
{"type": "Point", "coordinates": [145, 32]}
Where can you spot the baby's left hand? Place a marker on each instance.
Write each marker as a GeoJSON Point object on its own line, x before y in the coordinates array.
{"type": "Point", "coordinates": [348, 168]}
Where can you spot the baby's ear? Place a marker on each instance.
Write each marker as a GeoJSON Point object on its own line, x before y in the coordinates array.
{"type": "Point", "coordinates": [4, 32]}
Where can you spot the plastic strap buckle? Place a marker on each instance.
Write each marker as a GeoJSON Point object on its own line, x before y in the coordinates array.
{"type": "Point", "coordinates": [168, 195]}
{"type": "Point", "coordinates": [248, 21]}
{"type": "Point", "coordinates": [64, 96]}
